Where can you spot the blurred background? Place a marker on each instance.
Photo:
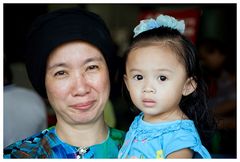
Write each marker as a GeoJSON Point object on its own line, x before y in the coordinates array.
{"type": "Point", "coordinates": [211, 27]}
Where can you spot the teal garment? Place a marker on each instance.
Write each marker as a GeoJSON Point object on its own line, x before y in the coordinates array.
{"type": "Point", "coordinates": [48, 145]}
{"type": "Point", "coordinates": [157, 140]}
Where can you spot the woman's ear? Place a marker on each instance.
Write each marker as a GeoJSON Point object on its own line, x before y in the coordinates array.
{"type": "Point", "coordinates": [189, 86]}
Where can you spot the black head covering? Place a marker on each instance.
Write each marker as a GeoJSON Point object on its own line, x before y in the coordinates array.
{"type": "Point", "coordinates": [55, 28]}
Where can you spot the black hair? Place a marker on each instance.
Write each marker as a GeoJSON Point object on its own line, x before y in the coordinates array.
{"type": "Point", "coordinates": [57, 27]}
{"type": "Point", "coordinates": [195, 104]}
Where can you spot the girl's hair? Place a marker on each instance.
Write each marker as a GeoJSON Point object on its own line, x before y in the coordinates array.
{"type": "Point", "coordinates": [195, 104]}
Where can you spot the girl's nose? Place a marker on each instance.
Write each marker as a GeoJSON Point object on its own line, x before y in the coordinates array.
{"type": "Point", "coordinates": [149, 90]}
{"type": "Point", "coordinates": [149, 87]}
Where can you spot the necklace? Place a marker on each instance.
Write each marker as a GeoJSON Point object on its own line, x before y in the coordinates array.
{"type": "Point", "coordinates": [81, 151]}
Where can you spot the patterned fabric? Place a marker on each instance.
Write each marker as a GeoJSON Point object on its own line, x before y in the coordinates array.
{"type": "Point", "coordinates": [47, 145]}
{"type": "Point", "coordinates": [158, 140]}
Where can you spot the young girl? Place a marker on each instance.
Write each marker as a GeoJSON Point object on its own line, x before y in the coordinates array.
{"type": "Point", "coordinates": [162, 76]}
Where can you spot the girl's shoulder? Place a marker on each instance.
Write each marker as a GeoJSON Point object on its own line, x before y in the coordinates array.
{"type": "Point", "coordinates": [184, 135]}
{"type": "Point", "coordinates": [181, 129]}
{"type": "Point", "coordinates": [162, 127]}
{"type": "Point", "coordinates": [145, 130]}
{"type": "Point", "coordinates": [30, 147]}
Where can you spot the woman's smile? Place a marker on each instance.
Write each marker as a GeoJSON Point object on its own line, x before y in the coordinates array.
{"type": "Point", "coordinates": [83, 105]}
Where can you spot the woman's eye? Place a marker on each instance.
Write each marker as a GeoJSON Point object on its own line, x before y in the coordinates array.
{"type": "Point", "coordinates": [92, 67]}
{"type": "Point", "coordinates": [60, 73]}
{"type": "Point", "coordinates": [138, 77]}
{"type": "Point", "coordinates": [162, 78]}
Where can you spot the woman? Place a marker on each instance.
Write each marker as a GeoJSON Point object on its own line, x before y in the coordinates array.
{"type": "Point", "coordinates": [68, 57]}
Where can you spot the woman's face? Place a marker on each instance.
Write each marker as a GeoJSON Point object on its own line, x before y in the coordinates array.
{"type": "Point", "coordinates": [77, 83]}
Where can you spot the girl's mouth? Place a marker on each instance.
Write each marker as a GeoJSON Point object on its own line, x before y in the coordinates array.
{"type": "Point", "coordinates": [148, 103]}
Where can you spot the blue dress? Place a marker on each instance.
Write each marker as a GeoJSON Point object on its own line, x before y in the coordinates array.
{"type": "Point", "coordinates": [47, 144]}
{"type": "Point", "coordinates": [158, 140]}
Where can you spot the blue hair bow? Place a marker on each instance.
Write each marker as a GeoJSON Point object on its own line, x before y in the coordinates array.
{"type": "Point", "coordinates": [161, 20]}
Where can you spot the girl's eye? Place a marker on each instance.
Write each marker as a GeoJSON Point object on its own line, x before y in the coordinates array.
{"type": "Point", "coordinates": [162, 78]}
{"type": "Point", "coordinates": [138, 77]}
{"type": "Point", "coordinates": [93, 67]}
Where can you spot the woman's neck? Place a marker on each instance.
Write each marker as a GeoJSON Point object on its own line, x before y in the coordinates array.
{"type": "Point", "coordinates": [82, 135]}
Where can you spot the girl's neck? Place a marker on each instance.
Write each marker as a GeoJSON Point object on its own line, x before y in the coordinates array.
{"type": "Point", "coordinates": [82, 135]}
{"type": "Point", "coordinates": [173, 115]}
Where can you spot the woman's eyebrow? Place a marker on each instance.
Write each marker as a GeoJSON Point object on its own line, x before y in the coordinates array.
{"type": "Point", "coordinates": [62, 64]}
{"type": "Point", "coordinates": [57, 65]}
{"type": "Point", "coordinates": [93, 59]}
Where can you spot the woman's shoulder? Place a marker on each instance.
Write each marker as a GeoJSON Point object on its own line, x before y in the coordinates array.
{"type": "Point", "coordinates": [116, 134]}
{"type": "Point", "coordinates": [31, 147]}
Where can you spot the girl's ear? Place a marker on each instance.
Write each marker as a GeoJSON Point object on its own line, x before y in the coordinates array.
{"type": "Point", "coordinates": [189, 86]}
{"type": "Point", "coordinates": [125, 80]}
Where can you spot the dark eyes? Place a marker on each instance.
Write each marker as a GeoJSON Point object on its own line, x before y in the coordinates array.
{"type": "Point", "coordinates": [63, 73]}
{"type": "Point", "coordinates": [60, 73]}
{"type": "Point", "coordinates": [92, 67]}
{"type": "Point", "coordinates": [162, 78]}
{"type": "Point", "coordinates": [138, 77]}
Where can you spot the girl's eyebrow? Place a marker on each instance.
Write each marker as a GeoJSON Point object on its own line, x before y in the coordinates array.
{"type": "Point", "coordinates": [131, 70]}
{"type": "Point", "coordinates": [162, 70]}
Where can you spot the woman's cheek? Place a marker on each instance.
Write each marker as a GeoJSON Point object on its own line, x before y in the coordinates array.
{"type": "Point", "coordinates": [58, 89]}
{"type": "Point", "coordinates": [99, 81]}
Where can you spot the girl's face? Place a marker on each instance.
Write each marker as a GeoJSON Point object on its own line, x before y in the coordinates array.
{"type": "Point", "coordinates": [77, 83]}
{"type": "Point", "coordinates": [156, 81]}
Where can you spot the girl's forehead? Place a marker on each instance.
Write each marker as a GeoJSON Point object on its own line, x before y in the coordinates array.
{"type": "Point", "coordinates": [167, 44]}
{"type": "Point", "coordinates": [152, 54]}
{"type": "Point", "coordinates": [154, 62]}
{"type": "Point", "coordinates": [153, 49]}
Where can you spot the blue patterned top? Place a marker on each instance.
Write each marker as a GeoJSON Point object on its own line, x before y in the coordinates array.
{"type": "Point", "coordinates": [48, 145]}
{"type": "Point", "coordinates": [158, 140]}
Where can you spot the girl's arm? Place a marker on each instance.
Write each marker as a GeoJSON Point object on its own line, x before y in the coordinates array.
{"type": "Point", "coordinates": [183, 153]}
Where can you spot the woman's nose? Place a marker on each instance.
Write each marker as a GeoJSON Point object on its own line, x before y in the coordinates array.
{"type": "Point", "coordinates": [80, 86]}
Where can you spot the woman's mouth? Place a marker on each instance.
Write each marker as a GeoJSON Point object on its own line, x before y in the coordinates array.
{"type": "Point", "coordinates": [83, 106]}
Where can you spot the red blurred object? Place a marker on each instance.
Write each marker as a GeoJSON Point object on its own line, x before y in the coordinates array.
{"type": "Point", "coordinates": [52, 120]}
